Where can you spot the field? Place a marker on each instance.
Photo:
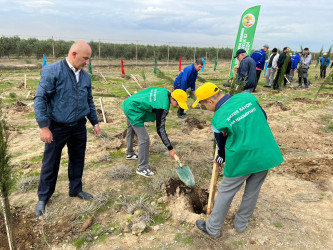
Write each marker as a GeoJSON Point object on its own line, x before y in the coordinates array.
{"type": "Point", "coordinates": [294, 210]}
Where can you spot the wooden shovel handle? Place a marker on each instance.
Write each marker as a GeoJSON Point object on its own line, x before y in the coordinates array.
{"type": "Point", "coordinates": [178, 161]}
{"type": "Point", "coordinates": [212, 187]}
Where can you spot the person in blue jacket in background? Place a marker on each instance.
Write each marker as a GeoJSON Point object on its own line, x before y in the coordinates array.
{"type": "Point", "coordinates": [259, 56]}
{"type": "Point", "coordinates": [324, 63]}
{"type": "Point", "coordinates": [295, 59]}
{"type": "Point", "coordinates": [186, 79]}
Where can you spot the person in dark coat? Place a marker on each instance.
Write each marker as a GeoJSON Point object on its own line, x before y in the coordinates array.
{"type": "Point", "coordinates": [246, 71]}
{"type": "Point", "coordinates": [280, 63]}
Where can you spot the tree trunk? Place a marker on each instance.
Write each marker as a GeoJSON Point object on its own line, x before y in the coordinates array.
{"type": "Point", "coordinates": [7, 218]}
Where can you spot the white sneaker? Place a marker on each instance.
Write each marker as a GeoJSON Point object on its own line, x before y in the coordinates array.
{"type": "Point", "coordinates": [145, 172]}
{"type": "Point", "coordinates": [132, 156]}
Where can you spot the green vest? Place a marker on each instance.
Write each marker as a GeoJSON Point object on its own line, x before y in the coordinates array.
{"type": "Point", "coordinates": [250, 145]}
{"type": "Point", "coordinates": [139, 107]}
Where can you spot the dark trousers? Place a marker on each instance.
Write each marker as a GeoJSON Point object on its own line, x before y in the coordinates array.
{"type": "Point", "coordinates": [323, 71]}
{"type": "Point", "coordinates": [305, 82]}
{"type": "Point", "coordinates": [76, 138]}
{"type": "Point", "coordinates": [180, 111]}
{"type": "Point", "coordinates": [276, 80]}
{"type": "Point", "coordinates": [258, 72]}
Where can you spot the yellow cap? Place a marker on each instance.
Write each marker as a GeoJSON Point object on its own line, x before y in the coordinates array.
{"type": "Point", "coordinates": [181, 97]}
{"type": "Point", "coordinates": [205, 91]}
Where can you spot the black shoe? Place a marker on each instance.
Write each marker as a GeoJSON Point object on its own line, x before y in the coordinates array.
{"type": "Point", "coordinates": [202, 226]}
{"type": "Point", "coordinates": [82, 195]}
{"type": "Point", "coordinates": [40, 208]}
{"type": "Point", "coordinates": [266, 86]}
{"type": "Point", "coordinates": [182, 116]}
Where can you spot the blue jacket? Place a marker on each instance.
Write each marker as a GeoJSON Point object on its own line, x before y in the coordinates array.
{"type": "Point", "coordinates": [61, 99]}
{"type": "Point", "coordinates": [295, 61]}
{"type": "Point", "coordinates": [259, 56]}
{"type": "Point", "coordinates": [186, 79]}
{"type": "Point", "coordinates": [322, 60]}
{"type": "Point", "coordinates": [247, 72]}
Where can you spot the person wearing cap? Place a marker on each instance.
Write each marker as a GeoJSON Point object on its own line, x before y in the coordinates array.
{"type": "Point", "coordinates": [280, 62]}
{"type": "Point", "coordinates": [246, 71]}
{"type": "Point", "coordinates": [295, 59]}
{"type": "Point", "coordinates": [259, 56]}
{"type": "Point", "coordinates": [186, 79]}
{"type": "Point", "coordinates": [271, 67]}
{"type": "Point", "coordinates": [324, 63]}
{"type": "Point", "coordinates": [151, 104]}
{"type": "Point", "coordinates": [247, 147]}
{"type": "Point", "coordinates": [304, 68]}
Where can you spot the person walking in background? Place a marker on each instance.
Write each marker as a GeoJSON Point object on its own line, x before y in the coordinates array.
{"type": "Point", "coordinates": [247, 146]}
{"type": "Point", "coordinates": [246, 71]}
{"type": "Point", "coordinates": [295, 59]}
{"type": "Point", "coordinates": [280, 63]}
{"type": "Point", "coordinates": [304, 68]}
{"type": "Point", "coordinates": [271, 67]}
{"type": "Point", "coordinates": [259, 56]}
{"type": "Point", "coordinates": [63, 100]}
{"type": "Point", "coordinates": [324, 63]}
{"type": "Point", "coordinates": [151, 104]}
{"type": "Point", "coordinates": [186, 79]}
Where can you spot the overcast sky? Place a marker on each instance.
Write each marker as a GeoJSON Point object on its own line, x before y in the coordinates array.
{"type": "Point", "coordinates": [179, 22]}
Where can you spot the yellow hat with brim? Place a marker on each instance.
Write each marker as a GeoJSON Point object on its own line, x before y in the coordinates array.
{"type": "Point", "coordinates": [181, 97]}
{"type": "Point", "coordinates": [205, 91]}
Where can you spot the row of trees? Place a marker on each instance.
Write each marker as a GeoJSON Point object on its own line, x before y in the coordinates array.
{"type": "Point", "coordinates": [33, 47]}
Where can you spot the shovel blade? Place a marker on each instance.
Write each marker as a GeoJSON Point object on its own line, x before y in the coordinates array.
{"type": "Point", "coordinates": [185, 175]}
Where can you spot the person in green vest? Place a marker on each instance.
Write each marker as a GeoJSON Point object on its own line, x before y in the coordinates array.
{"type": "Point", "coordinates": [151, 104]}
{"type": "Point", "coordinates": [247, 147]}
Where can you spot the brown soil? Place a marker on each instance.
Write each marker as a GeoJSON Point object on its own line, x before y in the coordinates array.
{"type": "Point", "coordinates": [280, 105]}
{"type": "Point", "coordinates": [30, 232]}
{"type": "Point", "coordinates": [100, 116]}
{"type": "Point", "coordinates": [198, 197]}
{"type": "Point", "coordinates": [195, 123]}
{"type": "Point", "coordinates": [306, 100]}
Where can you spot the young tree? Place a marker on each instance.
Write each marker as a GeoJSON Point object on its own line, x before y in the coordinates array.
{"type": "Point", "coordinates": [6, 181]}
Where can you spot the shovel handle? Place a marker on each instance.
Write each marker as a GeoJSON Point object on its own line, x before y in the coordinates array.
{"type": "Point", "coordinates": [178, 161]}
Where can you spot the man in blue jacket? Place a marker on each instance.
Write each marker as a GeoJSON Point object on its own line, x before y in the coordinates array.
{"type": "Point", "coordinates": [324, 63]}
{"type": "Point", "coordinates": [295, 59]}
{"type": "Point", "coordinates": [186, 79]}
{"type": "Point", "coordinates": [63, 100]}
{"type": "Point", "coordinates": [259, 56]}
{"type": "Point", "coordinates": [246, 74]}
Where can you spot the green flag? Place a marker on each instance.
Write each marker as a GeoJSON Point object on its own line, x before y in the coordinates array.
{"type": "Point", "coordinates": [89, 67]}
{"type": "Point", "coordinates": [215, 64]}
{"type": "Point", "coordinates": [155, 67]}
{"type": "Point", "coordinates": [246, 32]}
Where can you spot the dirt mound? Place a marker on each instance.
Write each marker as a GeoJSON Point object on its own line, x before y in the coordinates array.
{"type": "Point", "coordinates": [317, 170]}
{"type": "Point", "coordinates": [306, 100]}
{"type": "Point", "coordinates": [279, 105]}
{"type": "Point", "coordinates": [32, 233]}
{"type": "Point", "coordinates": [195, 123]}
{"type": "Point", "coordinates": [326, 95]}
{"type": "Point", "coordinates": [197, 196]}
{"type": "Point", "coordinates": [100, 116]}
{"type": "Point", "coordinates": [20, 107]}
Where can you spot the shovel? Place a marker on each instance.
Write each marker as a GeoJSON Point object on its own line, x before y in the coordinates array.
{"type": "Point", "coordinates": [184, 173]}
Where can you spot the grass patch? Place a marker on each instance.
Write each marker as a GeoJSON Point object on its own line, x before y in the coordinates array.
{"type": "Point", "coordinates": [79, 242]}
{"type": "Point", "coordinates": [37, 158]}
{"type": "Point", "coordinates": [239, 242]}
{"type": "Point", "coordinates": [278, 224]}
{"type": "Point", "coordinates": [117, 154]}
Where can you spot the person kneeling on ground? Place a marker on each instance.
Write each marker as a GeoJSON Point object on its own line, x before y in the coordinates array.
{"type": "Point", "coordinates": [151, 104]}
{"type": "Point", "coordinates": [248, 148]}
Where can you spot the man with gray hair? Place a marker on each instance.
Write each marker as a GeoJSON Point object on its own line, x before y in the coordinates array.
{"type": "Point", "coordinates": [186, 79]}
{"type": "Point", "coordinates": [246, 71]}
{"type": "Point", "coordinates": [63, 101]}
{"type": "Point", "coordinates": [259, 56]}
